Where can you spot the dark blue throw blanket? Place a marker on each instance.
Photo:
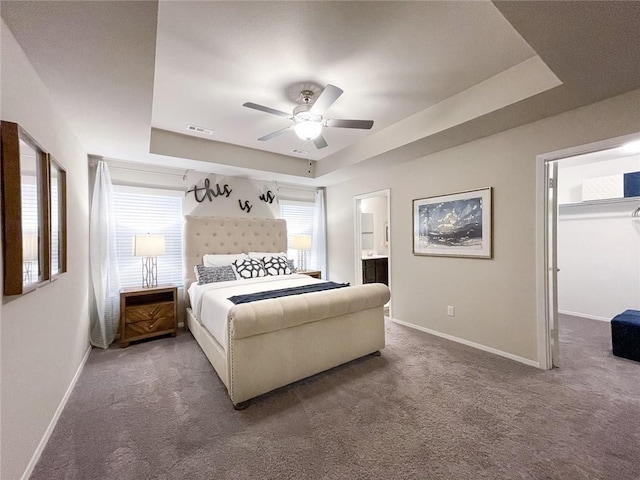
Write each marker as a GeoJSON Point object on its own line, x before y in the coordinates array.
{"type": "Point", "coordinates": [284, 292]}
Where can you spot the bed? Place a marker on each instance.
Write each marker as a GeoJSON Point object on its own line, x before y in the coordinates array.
{"type": "Point", "coordinates": [260, 346]}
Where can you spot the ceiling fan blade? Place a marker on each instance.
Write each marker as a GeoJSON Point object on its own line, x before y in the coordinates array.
{"type": "Point", "coordinates": [329, 95]}
{"type": "Point", "coordinates": [363, 124]}
{"type": "Point", "coordinates": [277, 133]}
{"type": "Point", "coordinates": [320, 142]}
{"type": "Point", "coordinates": [262, 108]}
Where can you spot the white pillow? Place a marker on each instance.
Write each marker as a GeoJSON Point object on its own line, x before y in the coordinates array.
{"type": "Point", "coordinates": [277, 265]}
{"type": "Point", "coordinates": [263, 255]}
{"type": "Point", "coordinates": [222, 260]}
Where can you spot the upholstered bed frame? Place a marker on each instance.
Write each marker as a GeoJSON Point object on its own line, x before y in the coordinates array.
{"type": "Point", "coordinates": [275, 342]}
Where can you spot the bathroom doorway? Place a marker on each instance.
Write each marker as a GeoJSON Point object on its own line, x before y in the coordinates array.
{"type": "Point", "coordinates": [373, 239]}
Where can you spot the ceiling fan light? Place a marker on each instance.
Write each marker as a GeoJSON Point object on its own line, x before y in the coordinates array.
{"type": "Point", "coordinates": [308, 130]}
{"type": "Point", "coordinates": [631, 147]}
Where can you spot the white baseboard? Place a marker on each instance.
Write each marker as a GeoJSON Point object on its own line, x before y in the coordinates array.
{"type": "Point", "coordinates": [45, 438]}
{"type": "Point", "coordinates": [479, 346]}
{"type": "Point", "coordinates": [584, 315]}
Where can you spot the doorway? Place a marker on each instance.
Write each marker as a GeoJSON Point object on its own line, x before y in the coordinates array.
{"type": "Point", "coordinates": [372, 245]}
{"type": "Point", "coordinates": [597, 193]}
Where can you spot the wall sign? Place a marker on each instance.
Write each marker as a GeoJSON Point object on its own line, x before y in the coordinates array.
{"type": "Point", "coordinates": [208, 192]}
{"type": "Point", "coordinates": [269, 197]}
{"type": "Point", "coordinates": [254, 198]}
{"type": "Point", "coordinates": [246, 206]}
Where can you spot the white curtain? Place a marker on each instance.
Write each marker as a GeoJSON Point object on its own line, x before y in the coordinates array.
{"type": "Point", "coordinates": [104, 264]}
{"type": "Point", "coordinates": [319, 236]}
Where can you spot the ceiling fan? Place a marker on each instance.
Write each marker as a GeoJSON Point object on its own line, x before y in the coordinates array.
{"type": "Point", "coordinates": [308, 118]}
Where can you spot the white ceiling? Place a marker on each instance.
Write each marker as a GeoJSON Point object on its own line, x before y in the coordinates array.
{"type": "Point", "coordinates": [130, 75]}
{"type": "Point", "coordinates": [392, 59]}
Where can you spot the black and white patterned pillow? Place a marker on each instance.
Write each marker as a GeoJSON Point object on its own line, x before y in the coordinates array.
{"type": "Point", "coordinates": [214, 274]}
{"type": "Point", "coordinates": [277, 266]}
{"type": "Point", "coordinates": [249, 268]}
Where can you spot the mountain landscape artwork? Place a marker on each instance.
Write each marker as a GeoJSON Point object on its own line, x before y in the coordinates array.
{"type": "Point", "coordinates": [454, 225]}
{"type": "Point", "coordinates": [457, 223]}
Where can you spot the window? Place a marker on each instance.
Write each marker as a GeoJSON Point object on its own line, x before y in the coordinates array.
{"type": "Point", "coordinates": [155, 213]}
{"type": "Point", "coordinates": [299, 217]}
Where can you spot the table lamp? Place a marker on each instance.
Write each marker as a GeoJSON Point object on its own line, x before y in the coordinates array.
{"type": "Point", "coordinates": [149, 247]}
{"type": "Point", "coordinates": [302, 243]}
{"type": "Point", "coordinates": [29, 255]}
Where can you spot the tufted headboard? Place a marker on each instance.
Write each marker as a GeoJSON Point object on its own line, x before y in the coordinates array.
{"type": "Point", "coordinates": [222, 235]}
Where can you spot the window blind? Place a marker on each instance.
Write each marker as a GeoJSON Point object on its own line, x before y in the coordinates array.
{"type": "Point", "coordinates": [55, 229]}
{"type": "Point", "coordinates": [299, 217]}
{"type": "Point", "coordinates": [155, 214]}
{"type": "Point", "coordinates": [30, 230]}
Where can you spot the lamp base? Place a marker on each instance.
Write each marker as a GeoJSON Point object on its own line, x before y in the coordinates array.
{"type": "Point", "coordinates": [149, 272]}
{"type": "Point", "coordinates": [302, 260]}
{"type": "Point", "coordinates": [26, 272]}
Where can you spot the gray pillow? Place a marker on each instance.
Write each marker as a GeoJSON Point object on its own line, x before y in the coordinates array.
{"type": "Point", "coordinates": [291, 265]}
{"type": "Point", "coordinates": [214, 274]}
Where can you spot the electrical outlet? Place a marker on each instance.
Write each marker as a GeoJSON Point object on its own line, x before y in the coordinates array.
{"type": "Point", "coordinates": [451, 311]}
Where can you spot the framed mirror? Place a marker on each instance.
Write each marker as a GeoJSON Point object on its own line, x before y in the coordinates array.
{"type": "Point", "coordinates": [58, 194]}
{"type": "Point", "coordinates": [25, 207]}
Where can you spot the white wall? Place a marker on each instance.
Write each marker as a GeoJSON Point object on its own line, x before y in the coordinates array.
{"type": "Point", "coordinates": [495, 299]}
{"type": "Point", "coordinates": [45, 332]}
{"type": "Point", "coordinates": [166, 178]}
{"type": "Point", "coordinates": [598, 244]}
{"type": "Point", "coordinates": [599, 260]}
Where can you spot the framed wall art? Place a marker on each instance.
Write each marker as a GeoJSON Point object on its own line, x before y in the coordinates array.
{"type": "Point", "coordinates": [34, 221]}
{"type": "Point", "coordinates": [454, 225]}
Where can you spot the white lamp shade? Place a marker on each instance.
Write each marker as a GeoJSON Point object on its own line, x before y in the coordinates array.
{"type": "Point", "coordinates": [29, 247]}
{"type": "Point", "coordinates": [148, 245]}
{"type": "Point", "coordinates": [301, 242]}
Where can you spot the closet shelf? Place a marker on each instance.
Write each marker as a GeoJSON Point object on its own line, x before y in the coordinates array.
{"type": "Point", "coordinates": [609, 201]}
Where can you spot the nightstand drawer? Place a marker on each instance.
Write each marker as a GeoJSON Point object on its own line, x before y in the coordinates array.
{"type": "Point", "coordinates": [149, 313]}
{"type": "Point", "coordinates": [148, 326]}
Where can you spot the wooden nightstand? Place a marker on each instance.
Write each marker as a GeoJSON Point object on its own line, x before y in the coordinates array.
{"type": "Point", "coordinates": [148, 312]}
{"type": "Point", "coordinates": [311, 273]}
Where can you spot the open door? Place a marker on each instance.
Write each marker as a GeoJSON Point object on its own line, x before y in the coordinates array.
{"type": "Point", "coordinates": [547, 232]}
{"type": "Point", "coordinates": [552, 260]}
{"type": "Point", "coordinates": [372, 246]}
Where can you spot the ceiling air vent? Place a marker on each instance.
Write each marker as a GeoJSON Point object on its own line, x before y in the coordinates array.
{"type": "Point", "coordinates": [195, 128]}
{"type": "Point", "coordinates": [299, 152]}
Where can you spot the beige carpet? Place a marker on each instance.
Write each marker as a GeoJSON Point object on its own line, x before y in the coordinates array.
{"type": "Point", "coordinates": [427, 409]}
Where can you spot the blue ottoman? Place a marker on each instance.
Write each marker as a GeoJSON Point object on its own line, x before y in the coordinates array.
{"type": "Point", "coordinates": [625, 335]}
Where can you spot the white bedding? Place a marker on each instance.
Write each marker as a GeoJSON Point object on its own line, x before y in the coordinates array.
{"type": "Point", "coordinates": [211, 306]}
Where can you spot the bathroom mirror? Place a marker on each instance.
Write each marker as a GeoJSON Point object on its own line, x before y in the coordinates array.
{"type": "Point", "coordinates": [366, 230]}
